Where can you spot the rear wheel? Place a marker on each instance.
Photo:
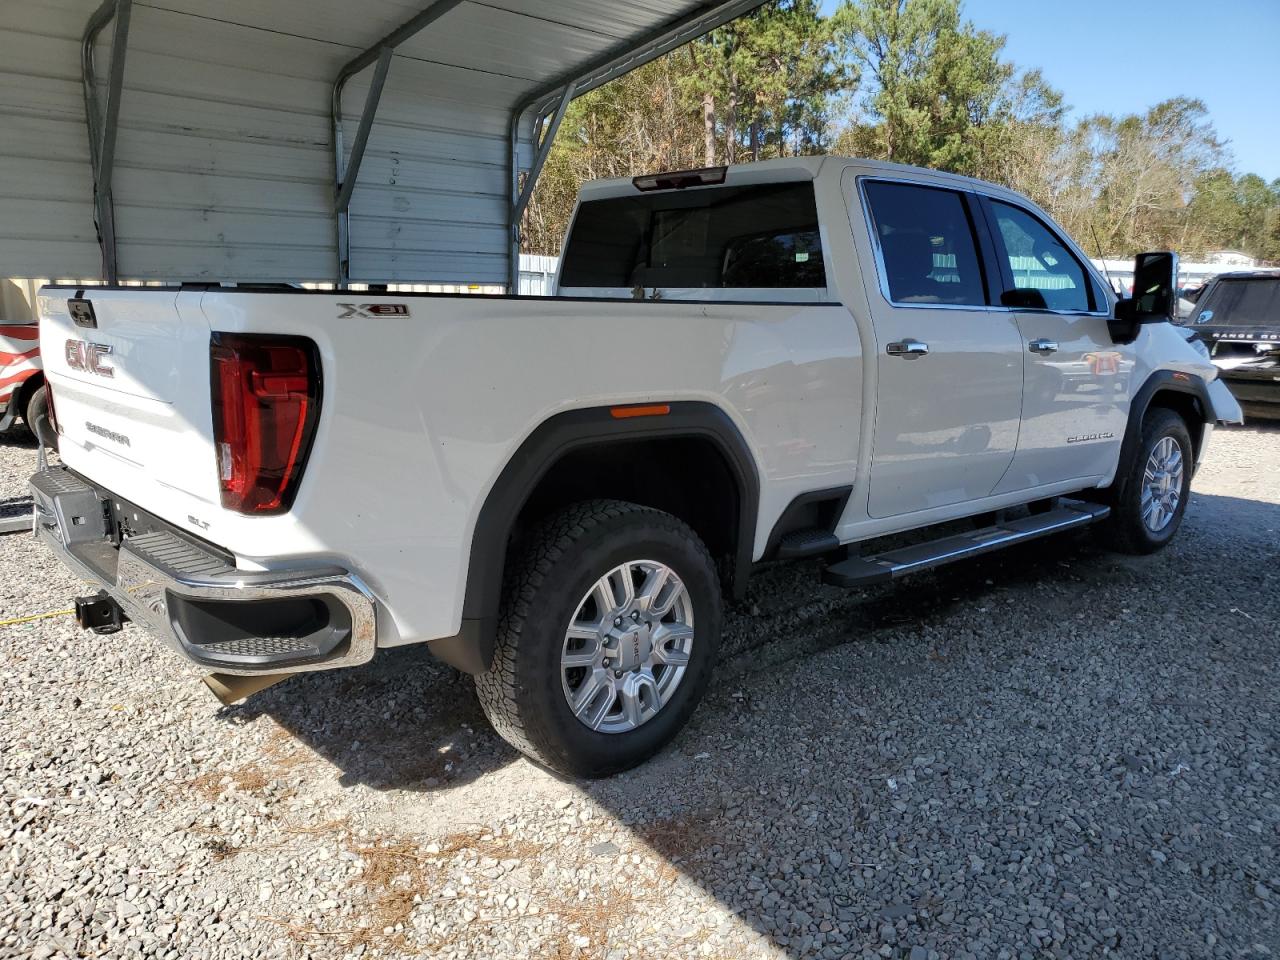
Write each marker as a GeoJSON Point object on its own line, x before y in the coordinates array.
{"type": "Point", "coordinates": [38, 420]}
{"type": "Point", "coordinates": [609, 627]}
{"type": "Point", "coordinates": [1148, 513]}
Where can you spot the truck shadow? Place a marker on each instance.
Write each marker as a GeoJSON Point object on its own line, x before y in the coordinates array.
{"type": "Point", "coordinates": [18, 436]}
{"type": "Point", "coordinates": [786, 813]}
{"type": "Point", "coordinates": [409, 722]}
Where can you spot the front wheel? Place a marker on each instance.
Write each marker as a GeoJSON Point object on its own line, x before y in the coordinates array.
{"type": "Point", "coordinates": [609, 627]}
{"type": "Point", "coordinates": [1148, 513]}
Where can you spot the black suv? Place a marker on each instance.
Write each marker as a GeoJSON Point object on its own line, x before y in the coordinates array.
{"type": "Point", "coordinates": [1238, 318]}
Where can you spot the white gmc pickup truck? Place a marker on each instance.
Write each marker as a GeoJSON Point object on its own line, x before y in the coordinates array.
{"type": "Point", "coordinates": [742, 365]}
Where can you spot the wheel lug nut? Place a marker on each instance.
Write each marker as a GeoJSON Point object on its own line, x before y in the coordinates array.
{"type": "Point", "coordinates": [617, 674]}
{"type": "Point", "coordinates": [635, 615]}
{"type": "Point", "coordinates": [617, 622]}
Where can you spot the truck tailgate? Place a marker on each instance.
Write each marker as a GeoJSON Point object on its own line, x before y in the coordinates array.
{"type": "Point", "coordinates": [131, 394]}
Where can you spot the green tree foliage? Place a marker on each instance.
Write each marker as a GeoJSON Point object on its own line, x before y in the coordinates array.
{"type": "Point", "coordinates": [914, 82]}
{"type": "Point", "coordinates": [1154, 180]}
{"type": "Point", "coordinates": [937, 83]}
{"type": "Point", "coordinates": [639, 123]}
{"type": "Point", "coordinates": [765, 82]}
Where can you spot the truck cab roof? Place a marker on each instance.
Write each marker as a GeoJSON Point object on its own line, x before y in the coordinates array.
{"type": "Point", "coordinates": [786, 169]}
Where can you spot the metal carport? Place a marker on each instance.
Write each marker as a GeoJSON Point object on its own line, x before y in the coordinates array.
{"type": "Point", "coordinates": [294, 140]}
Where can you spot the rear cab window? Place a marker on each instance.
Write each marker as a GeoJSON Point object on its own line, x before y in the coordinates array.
{"type": "Point", "coordinates": [747, 238]}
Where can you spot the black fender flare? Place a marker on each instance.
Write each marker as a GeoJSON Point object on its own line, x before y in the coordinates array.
{"type": "Point", "coordinates": [1161, 381]}
{"type": "Point", "coordinates": [471, 649]}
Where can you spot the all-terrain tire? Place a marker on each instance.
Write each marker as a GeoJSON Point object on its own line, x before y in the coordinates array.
{"type": "Point", "coordinates": [1126, 529]}
{"type": "Point", "coordinates": [552, 570]}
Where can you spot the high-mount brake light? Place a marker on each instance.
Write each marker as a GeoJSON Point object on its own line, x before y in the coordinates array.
{"type": "Point", "coordinates": [679, 179]}
{"type": "Point", "coordinates": [266, 402]}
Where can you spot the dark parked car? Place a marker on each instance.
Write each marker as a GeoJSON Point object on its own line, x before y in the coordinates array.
{"type": "Point", "coordinates": [1238, 318]}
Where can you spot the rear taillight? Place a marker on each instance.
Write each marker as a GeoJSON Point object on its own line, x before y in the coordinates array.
{"type": "Point", "coordinates": [266, 401]}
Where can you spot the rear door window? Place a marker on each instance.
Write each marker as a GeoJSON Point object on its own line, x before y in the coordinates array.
{"type": "Point", "coordinates": [928, 246]}
{"type": "Point", "coordinates": [761, 236]}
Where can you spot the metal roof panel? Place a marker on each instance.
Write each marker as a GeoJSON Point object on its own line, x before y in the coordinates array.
{"type": "Point", "coordinates": [224, 162]}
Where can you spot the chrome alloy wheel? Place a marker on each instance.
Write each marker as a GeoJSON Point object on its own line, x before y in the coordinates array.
{"type": "Point", "coordinates": [627, 647]}
{"type": "Point", "coordinates": [1162, 484]}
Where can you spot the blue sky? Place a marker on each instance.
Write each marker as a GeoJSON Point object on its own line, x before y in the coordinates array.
{"type": "Point", "coordinates": [1121, 56]}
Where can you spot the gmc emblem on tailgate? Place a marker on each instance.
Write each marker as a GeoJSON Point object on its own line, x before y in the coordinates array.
{"type": "Point", "coordinates": [371, 311]}
{"type": "Point", "coordinates": [90, 357]}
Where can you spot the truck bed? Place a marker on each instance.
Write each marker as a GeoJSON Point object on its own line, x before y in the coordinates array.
{"type": "Point", "coordinates": [425, 398]}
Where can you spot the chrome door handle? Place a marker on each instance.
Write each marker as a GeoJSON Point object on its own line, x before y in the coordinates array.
{"type": "Point", "coordinates": [1043, 346]}
{"type": "Point", "coordinates": [910, 349]}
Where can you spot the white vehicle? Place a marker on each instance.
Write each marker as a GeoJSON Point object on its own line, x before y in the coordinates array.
{"type": "Point", "coordinates": [742, 365]}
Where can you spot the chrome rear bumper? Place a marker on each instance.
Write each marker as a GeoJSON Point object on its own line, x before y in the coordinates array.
{"type": "Point", "coordinates": [233, 621]}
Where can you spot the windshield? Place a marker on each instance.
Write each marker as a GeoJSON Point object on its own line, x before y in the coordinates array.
{"type": "Point", "coordinates": [757, 236]}
{"type": "Point", "coordinates": [1242, 302]}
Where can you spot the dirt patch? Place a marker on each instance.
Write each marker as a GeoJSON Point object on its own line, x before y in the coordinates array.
{"type": "Point", "coordinates": [220, 850]}
{"type": "Point", "coordinates": [247, 779]}
{"type": "Point", "coordinates": [399, 874]}
{"type": "Point", "coordinates": [283, 751]}
{"type": "Point", "coordinates": [394, 872]}
{"type": "Point", "coordinates": [684, 838]}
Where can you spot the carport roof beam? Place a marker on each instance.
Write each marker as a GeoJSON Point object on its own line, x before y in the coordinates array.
{"type": "Point", "coordinates": [544, 148]}
{"type": "Point", "coordinates": [103, 130]}
{"type": "Point", "coordinates": [346, 173]}
{"type": "Point", "coordinates": [639, 51]}
{"type": "Point", "coordinates": [552, 97]}
{"type": "Point", "coordinates": [347, 180]}
{"type": "Point", "coordinates": [629, 56]}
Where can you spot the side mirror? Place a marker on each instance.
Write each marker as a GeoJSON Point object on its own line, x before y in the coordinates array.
{"type": "Point", "coordinates": [1155, 286]}
{"type": "Point", "coordinates": [1024, 298]}
{"type": "Point", "coordinates": [1155, 295]}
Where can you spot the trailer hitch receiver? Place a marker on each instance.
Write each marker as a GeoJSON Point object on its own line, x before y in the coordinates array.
{"type": "Point", "coordinates": [100, 613]}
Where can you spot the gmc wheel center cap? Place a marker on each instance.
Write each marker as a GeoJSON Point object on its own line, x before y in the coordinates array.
{"type": "Point", "coordinates": [633, 645]}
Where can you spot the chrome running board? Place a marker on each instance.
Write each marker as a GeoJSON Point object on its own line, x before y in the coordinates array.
{"type": "Point", "coordinates": [861, 571]}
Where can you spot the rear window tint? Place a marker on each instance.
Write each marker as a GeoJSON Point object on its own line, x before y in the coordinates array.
{"type": "Point", "coordinates": [1244, 302]}
{"type": "Point", "coordinates": [763, 236]}
{"type": "Point", "coordinates": [927, 242]}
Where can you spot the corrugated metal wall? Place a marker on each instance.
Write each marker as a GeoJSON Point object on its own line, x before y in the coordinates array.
{"type": "Point", "coordinates": [46, 185]}
{"type": "Point", "coordinates": [224, 168]}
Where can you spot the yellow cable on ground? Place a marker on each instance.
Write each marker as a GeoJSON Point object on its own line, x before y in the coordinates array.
{"type": "Point", "coordinates": [36, 616]}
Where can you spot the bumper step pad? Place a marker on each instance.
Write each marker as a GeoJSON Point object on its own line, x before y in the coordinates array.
{"type": "Point", "coordinates": [880, 568]}
{"type": "Point", "coordinates": [246, 622]}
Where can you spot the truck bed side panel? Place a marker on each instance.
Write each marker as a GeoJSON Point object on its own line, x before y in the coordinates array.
{"type": "Point", "coordinates": [422, 410]}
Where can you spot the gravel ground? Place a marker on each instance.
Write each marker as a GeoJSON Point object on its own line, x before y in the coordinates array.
{"type": "Point", "coordinates": [1054, 752]}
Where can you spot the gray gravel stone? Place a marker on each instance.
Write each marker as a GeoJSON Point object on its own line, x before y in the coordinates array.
{"type": "Point", "coordinates": [1057, 752]}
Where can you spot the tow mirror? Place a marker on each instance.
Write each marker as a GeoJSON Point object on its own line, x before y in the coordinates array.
{"type": "Point", "coordinates": [1155, 295]}
{"type": "Point", "coordinates": [1155, 285]}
